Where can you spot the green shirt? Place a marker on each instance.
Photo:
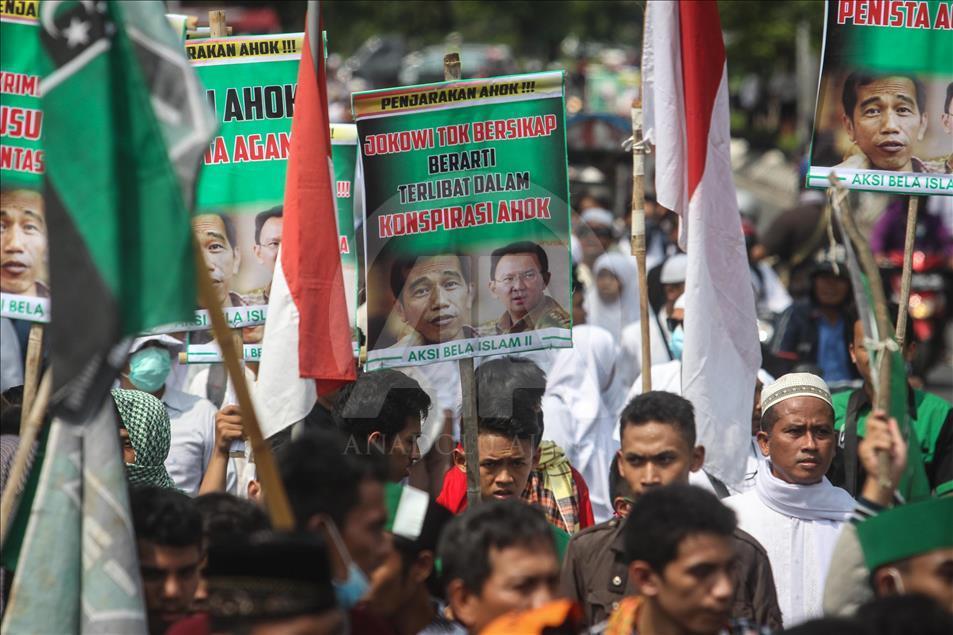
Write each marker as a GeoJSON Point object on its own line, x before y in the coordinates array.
{"type": "Point", "coordinates": [931, 414]}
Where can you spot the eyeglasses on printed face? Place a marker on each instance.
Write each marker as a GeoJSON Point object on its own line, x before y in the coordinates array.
{"type": "Point", "coordinates": [528, 276]}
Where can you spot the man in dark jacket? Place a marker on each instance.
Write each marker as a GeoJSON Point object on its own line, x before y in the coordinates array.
{"type": "Point", "coordinates": [815, 331]}
{"type": "Point", "coordinates": [657, 430]}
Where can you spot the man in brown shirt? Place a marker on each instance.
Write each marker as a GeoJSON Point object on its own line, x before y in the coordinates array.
{"type": "Point", "coordinates": [658, 448]}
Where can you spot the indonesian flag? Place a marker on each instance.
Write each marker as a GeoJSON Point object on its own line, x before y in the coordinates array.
{"type": "Point", "coordinates": [685, 93]}
{"type": "Point", "coordinates": [306, 349]}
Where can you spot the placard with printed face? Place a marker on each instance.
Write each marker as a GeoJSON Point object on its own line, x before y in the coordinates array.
{"type": "Point", "coordinates": [24, 273]}
{"type": "Point", "coordinates": [466, 218]}
{"type": "Point", "coordinates": [884, 117]}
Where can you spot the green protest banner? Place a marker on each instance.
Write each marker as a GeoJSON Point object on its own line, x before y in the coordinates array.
{"type": "Point", "coordinates": [466, 218]}
{"type": "Point", "coordinates": [250, 84]}
{"type": "Point", "coordinates": [884, 120]}
{"type": "Point", "coordinates": [344, 157]}
{"type": "Point", "coordinates": [24, 275]}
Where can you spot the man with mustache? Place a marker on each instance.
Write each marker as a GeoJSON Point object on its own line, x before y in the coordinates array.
{"type": "Point", "coordinates": [434, 296]}
{"type": "Point", "coordinates": [793, 510]}
{"type": "Point", "coordinates": [883, 117]}
{"type": "Point", "coordinates": [22, 243]}
{"type": "Point", "coordinates": [519, 275]}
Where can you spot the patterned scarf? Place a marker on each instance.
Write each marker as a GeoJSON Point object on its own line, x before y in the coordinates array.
{"type": "Point", "coordinates": [150, 433]}
{"type": "Point", "coordinates": [552, 488]}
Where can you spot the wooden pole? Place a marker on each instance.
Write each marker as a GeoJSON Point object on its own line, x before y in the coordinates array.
{"type": "Point", "coordinates": [638, 239]}
{"type": "Point", "coordinates": [452, 71]}
{"type": "Point", "coordinates": [276, 500]}
{"type": "Point", "coordinates": [31, 375]}
{"type": "Point", "coordinates": [881, 315]}
{"type": "Point", "coordinates": [29, 431]}
{"type": "Point", "coordinates": [912, 209]}
{"type": "Point", "coordinates": [216, 23]}
{"type": "Point", "coordinates": [451, 67]}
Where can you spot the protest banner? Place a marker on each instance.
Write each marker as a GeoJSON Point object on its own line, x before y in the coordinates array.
{"type": "Point", "coordinates": [466, 218]}
{"type": "Point", "coordinates": [250, 85]}
{"type": "Point", "coordinates": [345, 159]}
{"type": "Point", "coordinates": [883, 120]}
{"type": "Point", "coordinates": [24, 275]}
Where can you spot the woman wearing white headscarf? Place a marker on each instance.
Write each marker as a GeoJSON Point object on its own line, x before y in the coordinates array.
{"type": "Point", "coordinates": [582, 395]}
{"type": "Point", "coordinates": [612, 301]}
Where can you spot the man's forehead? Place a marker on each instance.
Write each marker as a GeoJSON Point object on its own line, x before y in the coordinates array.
{"type": "Point", "coordinates": [494, 445]}
{"type": "Point", "coordinates": [513, 558]}
{"type": "Point", "coordinates": [514, 262]}
{"type": "Point", "coordinates": [652, 438]}
{"type": "Point", "coordinates": [437, 266]}
{"type": "Point", "coordinates": [805, 409]}
{"type": "Point", "coordinates": [274, 223]}
{"type": "Point", "coordinates": [704, 547]}
{"type": "Point", "coordinates": [153, 554]}
{"type": "Point", "coordinates": [208, 223]}
{"type": "Point", "coordinates": [22, 201]}
{"type": "Point", "coordinates": [888, 86]}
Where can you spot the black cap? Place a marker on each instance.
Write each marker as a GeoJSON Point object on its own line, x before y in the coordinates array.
{"type": "Point", "coordinates": [269, 575]}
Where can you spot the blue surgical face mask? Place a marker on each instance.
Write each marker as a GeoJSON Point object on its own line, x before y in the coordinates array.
{"type": "Point", "coordinates": [676, 342]}
{"type": "Point", "coordinates": [149, 367]}
{"type": "Point", "coordinates": [350, 591]}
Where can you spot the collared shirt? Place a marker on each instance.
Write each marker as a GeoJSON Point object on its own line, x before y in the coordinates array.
{"type": "Point", "coordinates": [595, 575]}
{"type": "Point", "coordinates": [193, 441]}
{"type": "Point", "coordinates": [544, 315]}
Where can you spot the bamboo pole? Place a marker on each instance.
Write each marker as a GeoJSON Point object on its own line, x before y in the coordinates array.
{"type": "Point", "coordinates": [276, 500]}
{"type": "Point", "coordinates": [638, 239]}
{"type": "Point", "coordinates": [452, 71]}
{"type": "Point", "coordinates": [912, 209]}
{"type": "Point", "coordinates": [29, 431]}
{"type": "Point", "coordinates": [881, 315]}
{"type": "Point", "coordinates": [31, 375]}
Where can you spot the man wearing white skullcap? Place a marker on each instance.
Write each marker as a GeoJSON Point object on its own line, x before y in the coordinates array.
{"type": "Point", "coordinates": [793, 510]}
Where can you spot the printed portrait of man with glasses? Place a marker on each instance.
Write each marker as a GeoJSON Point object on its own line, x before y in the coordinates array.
{"type": "Point", "coordinates": [519, 275]}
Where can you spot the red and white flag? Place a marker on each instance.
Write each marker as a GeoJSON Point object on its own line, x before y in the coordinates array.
{"type": "Point", "coordinates": [685, 96]}
{"type": "Point", "coordinates": [306, 349]}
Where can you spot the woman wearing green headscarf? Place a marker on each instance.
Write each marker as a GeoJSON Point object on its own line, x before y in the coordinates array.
{"type": "Point", "coordinates": [150, 433]}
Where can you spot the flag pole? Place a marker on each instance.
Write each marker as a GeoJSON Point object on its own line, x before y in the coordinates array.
{"type": "Point", "coordinates": [31, 375]}
{"type": "Point", "coordinates": [912, 209]}
{"type": "Point", "coordinates": [276, 500]}
{"type": "Point", "coordinates": [30, 427]}
{"type": "Point", "coordinates": [838, 196]}
{"type": "Point", "coordinates": [638, 238]}
{"type": "Point", "coordinates": [452, 71]}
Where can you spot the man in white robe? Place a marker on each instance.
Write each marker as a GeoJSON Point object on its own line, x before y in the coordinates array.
{"type": "Point", "coordinates": [793, 510]}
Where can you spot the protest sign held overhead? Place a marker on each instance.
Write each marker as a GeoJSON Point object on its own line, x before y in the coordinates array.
{"type": "Point", "coordinates": [24, 278]}
{"type": "Point", "coordinates": [883, 120]}
{"type": "Point", "coordinates": [466, 218]}
{"type": "Point", "coordinates": [250, 83]}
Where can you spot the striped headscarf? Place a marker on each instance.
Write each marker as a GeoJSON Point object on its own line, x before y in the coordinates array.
{"type": "Point", "coordinates": [150, 433]}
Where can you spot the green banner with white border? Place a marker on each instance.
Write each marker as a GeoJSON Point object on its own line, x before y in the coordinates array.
{"type": "Point", "coordinates": [466, 218]}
